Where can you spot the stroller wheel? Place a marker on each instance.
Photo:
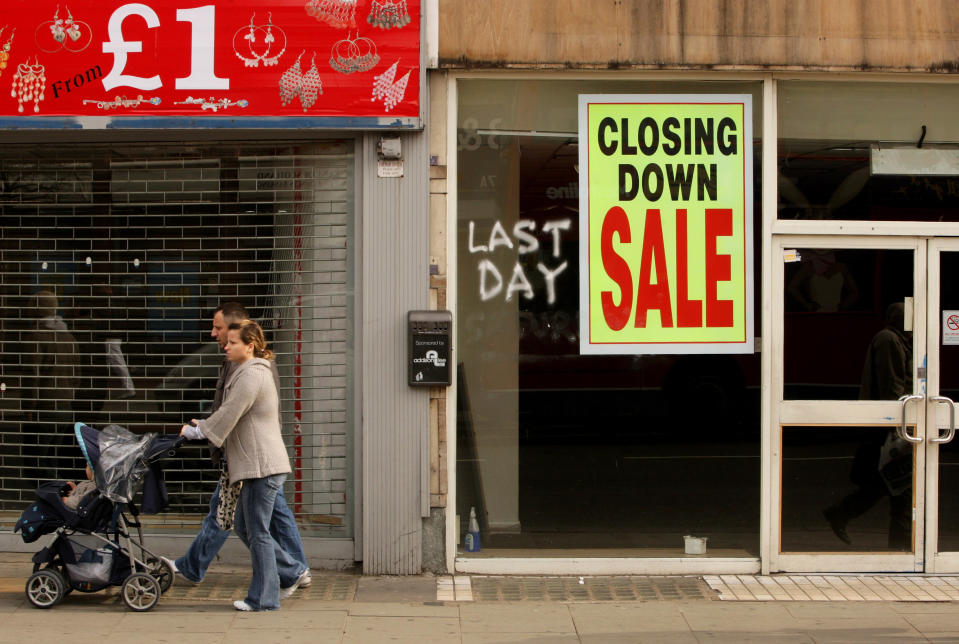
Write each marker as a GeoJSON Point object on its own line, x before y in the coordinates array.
{"type": "Point", "coordinates": [162, 572]}
{"type": "Point", "coordinates": [46, 588]}
{"type": "Point", "coordinates": [67, 587]}
{"type": "Point", "coordinates": [140, 591]}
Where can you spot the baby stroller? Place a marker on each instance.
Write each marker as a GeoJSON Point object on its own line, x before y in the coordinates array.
{"type": "Point", "coordinates": [93, 547]}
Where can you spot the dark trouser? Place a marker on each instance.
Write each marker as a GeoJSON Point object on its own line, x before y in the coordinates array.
{"type": "Point", "coordinates": [866, 496]}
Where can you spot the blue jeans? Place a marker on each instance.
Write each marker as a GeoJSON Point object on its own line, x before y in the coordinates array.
{"type": "Point", "coordinates": [287, 534]}
{"type": "Point", "coordinates": [207, 543]}
{"type": "Point", "coordinates": [272, 565]}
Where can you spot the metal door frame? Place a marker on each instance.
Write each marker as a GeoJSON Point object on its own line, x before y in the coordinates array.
{"type": "Point", "coordinates": [831, 413]}
{"type": "Point", "coordinates": [936, 562]}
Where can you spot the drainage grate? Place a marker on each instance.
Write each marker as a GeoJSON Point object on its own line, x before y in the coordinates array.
{"type": "Point", "coordinates": [657, 588]}
{"type": "Point", "coordinates": [228, 586]}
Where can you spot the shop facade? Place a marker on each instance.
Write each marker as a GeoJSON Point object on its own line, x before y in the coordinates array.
{"type": "Point", "coordinates": [132, 209]}
{"type": "Point", "coordinates": [798, 454]}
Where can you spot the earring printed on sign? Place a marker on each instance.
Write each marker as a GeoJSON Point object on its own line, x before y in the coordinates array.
{"type": "Point", "coordinates": [251, 35]}
{"type": "Point", "coordinates": [354, 55]}
{"type": "Point", "coordinates": [65, 33]}
{"type": "Point", "coordinates": [340, 14]}
{"type": "Point", "coordinates": [310, 86]}
{"type": "Point", "coordinates": [72, 29]}
{"type": "Point", "coordinates": [270, 32]}
{"type": "Point", "coordinates": [5, 50]}
{"type": "Point", "coordinates": [388, 91]}
{"type": "Point", "coordinates": [56, 27]}
{"type": "Point", "coordinates": [387, 14]}
{"type": "Point", "coordinates": [290, 82]}
{"type": "Point", "coordinates": [295, 83]}
{"type": "Point", "coordinates": [28, 84]}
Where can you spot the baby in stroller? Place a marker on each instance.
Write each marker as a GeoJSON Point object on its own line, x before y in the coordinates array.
{"type": "Point", "coordinates": [72, 493]}
{"type": "Point", "coordinates": [93, 547]}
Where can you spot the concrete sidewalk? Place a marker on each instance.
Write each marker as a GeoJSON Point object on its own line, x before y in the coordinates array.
{"type": "Point", "coordinates": [347, 607]}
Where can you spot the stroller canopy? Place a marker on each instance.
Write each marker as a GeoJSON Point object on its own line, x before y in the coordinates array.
{"type": "Point", "coordinates": [124, 463]}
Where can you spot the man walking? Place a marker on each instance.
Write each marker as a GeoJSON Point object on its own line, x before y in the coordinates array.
{"type": "Point", "coordinates": [207, 543]}
{"type": "Point", "coordinates": [882, 467]}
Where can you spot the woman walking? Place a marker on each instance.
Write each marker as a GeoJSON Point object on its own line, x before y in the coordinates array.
{"type": "Point", "coordinates": [247, 426]}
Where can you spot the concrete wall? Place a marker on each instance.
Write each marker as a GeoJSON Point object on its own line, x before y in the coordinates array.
{"type": "Point", "coordinates": [875, 35]}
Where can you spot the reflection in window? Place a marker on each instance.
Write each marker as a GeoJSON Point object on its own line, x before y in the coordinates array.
{"type": "Point", "coordinates": [560, 450]}
{"type": "Point", "coordinates": [840, 307]}
{"type": "Point", "coordinates": [827, 131]}
{"type": "Point", "coordinates": [846, 489]}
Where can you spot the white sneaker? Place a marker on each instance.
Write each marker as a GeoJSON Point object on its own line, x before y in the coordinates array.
{"type": "Point", "coordinates": [170, 563]}
{"type": "Point", "coordinates": [286, 592]}
{"type": "Point", "coordinates": [242, 605]}
{"type": "Point", "coordinates": [308, 580]}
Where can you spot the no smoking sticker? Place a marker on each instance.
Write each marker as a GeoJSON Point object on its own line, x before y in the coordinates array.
{"type": "Point", "coordinates": [950, 327]}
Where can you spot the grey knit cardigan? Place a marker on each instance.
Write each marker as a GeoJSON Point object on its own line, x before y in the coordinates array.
{"type": "Point", "coordinates": [247, 424]}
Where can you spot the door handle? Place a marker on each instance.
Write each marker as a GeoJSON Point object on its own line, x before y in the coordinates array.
{"type": "Point", "coordinates": [901, 430]}
{"type": "Point", "coordinates": [952, 420]}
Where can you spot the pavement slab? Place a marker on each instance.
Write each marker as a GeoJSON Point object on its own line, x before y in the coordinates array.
{"type": "Point", "coordinates": [866, 635]}
{"type": "Point", "coordinates": [591, 619]}
{"type": "Point", "coordinates": [284, 636]}
{"type": "Point", "coordinates": [140, 637]}
{"type": "Point", "coordinates": [175, 621]}
{"type": "Point", "coordinates": [287, 619]}
{"type": "Point", "coordinates": [639, 637]}
{"type": "Point", "coordinates": [520, 638]}
{"type": "Point", "coordinates": [937, 624]}
{"type": "Point", "coordinates": [766, 617]}
{"type": "Point", "coordinates": [425, 628]}
{"type": "Point", "coordinates": [386, 589]}
{"type": "Point", "coordinates": [525, 617]}
{"type": "Point", "coordinates": [731, 637]}
{"type": "Point", "coordinates": [872, 611]}
{"type": "Point", "coordinates": [405, 609]}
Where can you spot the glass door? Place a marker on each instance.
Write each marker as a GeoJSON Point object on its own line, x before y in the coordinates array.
{"type": "Point", "coordinates": [849, 402]}
{"type": "Point", "coordinates": [942, 452]}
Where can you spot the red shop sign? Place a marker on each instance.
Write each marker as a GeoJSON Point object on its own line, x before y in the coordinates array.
{"type": "Point", "coordinates": [223, 58]}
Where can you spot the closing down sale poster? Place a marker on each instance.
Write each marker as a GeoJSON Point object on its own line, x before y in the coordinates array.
{"type": "Point", "coordinates": [666, 224]}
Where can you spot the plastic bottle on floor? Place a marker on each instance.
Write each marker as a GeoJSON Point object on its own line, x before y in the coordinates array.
{"type": "Point", "coordinates": [473, 536]}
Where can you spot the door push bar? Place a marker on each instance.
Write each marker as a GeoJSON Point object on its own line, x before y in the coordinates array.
{"type": "Point", "coordinates": [903, 432]}
{"type": "Point", "coordinates": [952, 420]}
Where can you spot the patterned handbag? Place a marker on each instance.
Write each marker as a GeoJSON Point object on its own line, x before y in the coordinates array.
{"type": "Point", "coordinates": [229, 495]}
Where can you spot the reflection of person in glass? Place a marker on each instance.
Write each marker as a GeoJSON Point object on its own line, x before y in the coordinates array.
{"type": "Point", "coordinates": [823, 283]}
{"type": "Point", "coordinates": [883, 469]}
{"type": "Point", "coordinates": [51, 361]}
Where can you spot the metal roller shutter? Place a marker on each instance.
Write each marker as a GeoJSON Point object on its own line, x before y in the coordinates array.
{"type": "Point", "coordinates": [113, 259]}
